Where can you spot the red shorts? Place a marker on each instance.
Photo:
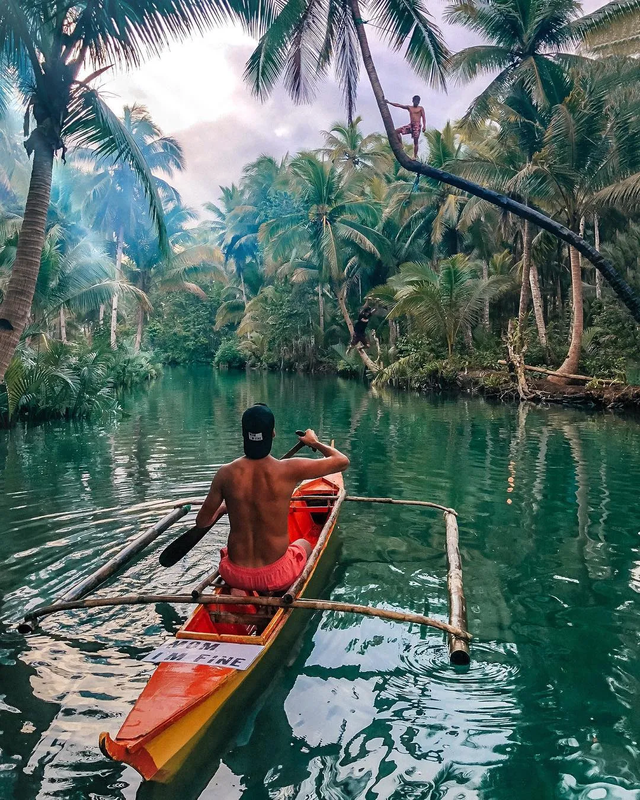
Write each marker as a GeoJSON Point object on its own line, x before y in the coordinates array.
{"type": "Point", "coordinates": [413, 128]}
{"type": "Point", "coordinates": [274, 577]}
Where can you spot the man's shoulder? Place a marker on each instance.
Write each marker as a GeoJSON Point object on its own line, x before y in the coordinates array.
{"type": "Point", "coordinates": [231, 466]}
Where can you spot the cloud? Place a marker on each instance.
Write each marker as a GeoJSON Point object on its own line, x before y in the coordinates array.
{"type": "Point", "coordinates": [195, 92]}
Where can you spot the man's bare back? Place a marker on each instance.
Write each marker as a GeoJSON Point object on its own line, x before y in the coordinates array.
{"type": "Point", "coordinates": [256, 495]}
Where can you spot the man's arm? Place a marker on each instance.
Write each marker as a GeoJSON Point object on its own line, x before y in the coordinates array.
{"type": "Point", "coordinates": [213, 507]}
{"type": "Point", "coordinates": [424, 121]}
{"type": "Point", "coordinates": [397, 105]}
{"type": "Point", "coordinates": [333, 460]}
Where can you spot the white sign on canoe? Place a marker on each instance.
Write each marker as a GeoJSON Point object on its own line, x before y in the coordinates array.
{"type": "Point", "coordinates": [211, 654]}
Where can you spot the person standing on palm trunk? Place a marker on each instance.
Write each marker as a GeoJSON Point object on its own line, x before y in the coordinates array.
{"type": "Point", "coordinates": [417, 121]}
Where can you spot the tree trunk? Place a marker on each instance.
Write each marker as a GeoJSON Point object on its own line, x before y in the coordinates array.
{"type": "Point", "coordinates": [321, 308]}
{"type": "Point", "coordinates": [244, 289]}
{"type": "Point", "coordinates": [114, 301]}
{"type": "Point", "coordinates": [572, 361]}
{"type": "Point", "coordinates": [538, 307]}
{"type": "Point", "coordinates": [14, 311]}
{"type": "Point", "coordinates": [138, 339]}
{"type": "Point", "coordinates": [101, 314]}
{"type": "Point", "coordinates": [525, 286]}
{"type": "Point", "coordinates": [596, 238]}
{"type": "Point", "coordinates": [63, 326]}
{"type": "Point", "coordinates": [618, 284]}
{"type": "Point", "coordinates": [342, 303]}
{"type": "Point", "coordinates": [393, 332]}
{"type": "Point", "coordinates": [485, 315]}
{"type": "Point", "coordinates": [468, 336]}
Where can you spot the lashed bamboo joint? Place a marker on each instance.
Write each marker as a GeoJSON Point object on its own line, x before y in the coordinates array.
{"type": "Point", "coordinates": [458, 636]}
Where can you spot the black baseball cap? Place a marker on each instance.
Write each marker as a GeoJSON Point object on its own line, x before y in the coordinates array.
{"type": "Point", "coordinates": [258, 424]}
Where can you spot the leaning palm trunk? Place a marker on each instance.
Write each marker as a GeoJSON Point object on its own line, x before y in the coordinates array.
{"type": "Point", "coordinates": [15, 309]}
{"type": "Point", "coordinates": [342, 302]}
{"type": "Point", "coordinates": [114, 301]}
{"type": "Point", "coordinates": [618, 284]}
{"type": "Point", "coordinates": [571, 362]}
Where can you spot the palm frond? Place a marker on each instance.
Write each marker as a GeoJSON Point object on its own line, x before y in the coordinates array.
{"type": "Point", "coordinates": [91, 123]}
{"type": "Point", "coordinates": [408, 22]}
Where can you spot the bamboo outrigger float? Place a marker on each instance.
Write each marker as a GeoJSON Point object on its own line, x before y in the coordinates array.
{"type": "Point", "coordinates": [225, 652]}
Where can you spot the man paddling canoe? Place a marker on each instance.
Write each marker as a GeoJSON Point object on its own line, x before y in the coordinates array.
{"type": "Point", "coordinates": [255, 491]}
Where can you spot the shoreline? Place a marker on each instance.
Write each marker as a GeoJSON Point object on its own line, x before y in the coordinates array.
{"type": "Point", "coordinates": [498, 385]}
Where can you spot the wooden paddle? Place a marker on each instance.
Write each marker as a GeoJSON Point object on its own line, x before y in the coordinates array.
{"type": "Point", "coordinates": [187, 541]}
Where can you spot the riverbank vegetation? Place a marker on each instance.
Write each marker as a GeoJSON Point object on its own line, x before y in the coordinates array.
{"type": "Point", "coordinates": [273, 272]}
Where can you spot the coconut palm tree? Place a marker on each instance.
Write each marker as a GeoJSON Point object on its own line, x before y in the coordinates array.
{"type": "Point", "coordinates": [530, 45]}
{"type": "Point", "coordinates": [355, 154]}
{"type": "Point", "coordinates": [56, 51]}
{"type": "Point", "coordinates": [325, 239]}
{"type": "Point", "coordinates": [501, 156]}
{"type": "Point", "coordinates": [444, 302]}
{"type": "Point", "coordinates": [114, 195]}
{"type": "Point", "coordinates": [74, 279]}
{"type": "Point", "coordinates": [298, 45]}
{"type": "Point", "coordinates": [590, 155]}
{"type": "Point", "coordinates": [235, 226]}
{"type": "Point", "coordinates": [190, 260]}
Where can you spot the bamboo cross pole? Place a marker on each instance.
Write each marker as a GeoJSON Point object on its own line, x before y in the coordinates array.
{"type": "Point", "coordinates": [28, 624]}
{"type": "Point", "coordinates": [393, 501]}
{"type": "Point", "coordinates": [458, 646]}
{"type": "Point", "coordinates": [124, 556]}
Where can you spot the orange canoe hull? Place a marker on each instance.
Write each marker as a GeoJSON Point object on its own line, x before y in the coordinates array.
{"type": "Point", "coordinates": [183, 702]}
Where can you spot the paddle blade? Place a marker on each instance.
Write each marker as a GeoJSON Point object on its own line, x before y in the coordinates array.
{"type": "Point", "coordinates": [181, 546]}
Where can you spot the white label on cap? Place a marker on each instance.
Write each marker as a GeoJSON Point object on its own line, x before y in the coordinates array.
{"type": "Point", "coordinates": [255, 437]}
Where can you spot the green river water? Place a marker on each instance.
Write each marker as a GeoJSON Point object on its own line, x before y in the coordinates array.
{"type": "Point", "coordinates": [361, 708]}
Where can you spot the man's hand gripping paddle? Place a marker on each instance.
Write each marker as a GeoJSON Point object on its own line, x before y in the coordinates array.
{"type": "Point", "coordinates": [188, 540]}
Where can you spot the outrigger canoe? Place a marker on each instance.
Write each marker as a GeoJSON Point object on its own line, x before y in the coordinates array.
{"type": "Point", "coordinates": [184, 702]}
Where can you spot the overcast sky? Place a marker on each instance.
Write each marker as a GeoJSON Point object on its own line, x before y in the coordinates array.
{"type": "Point", "coordinates": [195, 92]}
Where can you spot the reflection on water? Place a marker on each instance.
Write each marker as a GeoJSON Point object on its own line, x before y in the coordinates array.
{"type": "Point", "coordinates": [361, 708]}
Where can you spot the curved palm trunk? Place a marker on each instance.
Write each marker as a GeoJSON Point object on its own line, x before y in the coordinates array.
{"type": "Point", "coordinates": [617, 283]}
{"type": "Point", "coordinates": [114, 301]}
{"type": "Point", "coordinates": [15, 309]}
{"type": "Point", "coordinates": [342, 302]}
{"type": "Point", "coordinates": [571, 362]}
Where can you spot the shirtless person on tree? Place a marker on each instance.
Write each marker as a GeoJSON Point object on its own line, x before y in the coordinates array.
{"type": "Point", "coordinates": [255, 490]}
{"type": "Point", "coordinates": [417, 120]}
